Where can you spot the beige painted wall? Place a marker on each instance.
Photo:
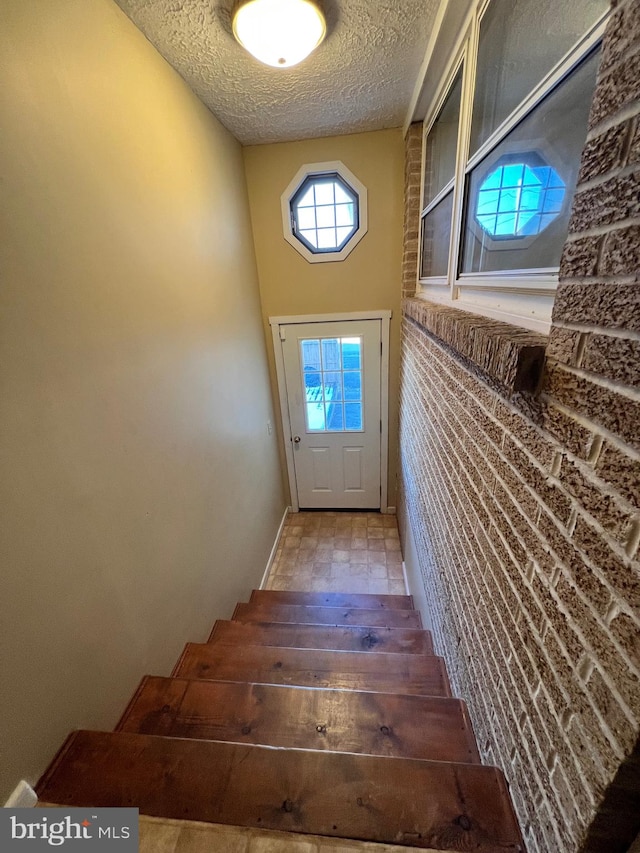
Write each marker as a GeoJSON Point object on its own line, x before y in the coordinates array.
{"type": "Point", "coordinates": [369, 278]}
{"type": "Point", "coordinates": [140, 491]}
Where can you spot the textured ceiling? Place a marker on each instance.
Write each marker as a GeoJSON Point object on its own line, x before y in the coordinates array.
{"type": "Point", "coordinates": [360, 78]}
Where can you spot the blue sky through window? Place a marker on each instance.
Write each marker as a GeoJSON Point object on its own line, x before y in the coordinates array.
{"type": "Point", "coordinates": [519, 200]}
{"type": "Point", "coordinates": [332, 371]}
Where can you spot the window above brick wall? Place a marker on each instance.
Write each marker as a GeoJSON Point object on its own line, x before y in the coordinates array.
{"type": "Point", "coordinates": [511, 106]}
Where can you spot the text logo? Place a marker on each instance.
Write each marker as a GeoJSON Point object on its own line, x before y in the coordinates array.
{"type": "Point", "coordinates": [33, 830]}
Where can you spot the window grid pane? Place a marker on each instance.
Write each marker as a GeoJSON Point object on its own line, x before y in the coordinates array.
{"type": "Point", "coordinates": [523, 192]}
{"type": "Point", "coordinates": [332, 371]}
{"type": "Point", "coordinates": [324, 213]}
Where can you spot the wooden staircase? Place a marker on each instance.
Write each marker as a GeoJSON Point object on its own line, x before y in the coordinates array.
{"type": "Point", "coordinates": [312, 713]}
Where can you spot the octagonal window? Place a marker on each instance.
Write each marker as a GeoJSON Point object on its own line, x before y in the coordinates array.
{"type": "Point", "coordinates": [520, 197]}
{"type": "Point", "coordinates": [324, 212]}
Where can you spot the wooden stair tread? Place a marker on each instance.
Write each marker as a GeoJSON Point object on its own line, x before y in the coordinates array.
{"type": "Point", "coordinates": [345, 637]}
{"type": "Point", "coordinates": [340, 720]}
{"type": "Point", "coordinates": [310, 615]}
{"type": "Point", "coordinates": [366, 600]}
{"type": "Point", "coordinates": [369, 671]}
{"type": "Point", "coordinates": [393, 800]}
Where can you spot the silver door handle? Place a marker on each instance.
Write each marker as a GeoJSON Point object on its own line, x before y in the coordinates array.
{"type": "Point", "coordinates": [296, 439]}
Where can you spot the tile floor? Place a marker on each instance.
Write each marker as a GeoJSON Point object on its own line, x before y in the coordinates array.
{"type": "Point", "coordinates": [158, 835]}
{"type": "Point", "coordinates": [339, 552]}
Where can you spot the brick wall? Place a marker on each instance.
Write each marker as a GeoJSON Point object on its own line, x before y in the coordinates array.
{"type": "Point", "coordinates": [525, 509]}
{"type": "Point", "coordinates": [413, 155]}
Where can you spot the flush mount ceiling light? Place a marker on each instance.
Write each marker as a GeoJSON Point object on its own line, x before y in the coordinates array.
{"type": "Point", "coordinates": [279, 32]}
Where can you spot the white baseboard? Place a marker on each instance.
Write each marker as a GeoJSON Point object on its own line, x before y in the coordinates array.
{"type": "Point", "coordinates": [23, 797]}
{"type": "Point", "coordinates": [388, 510]}
{"type": "Point", "coordinates": [413, 578]}
{"type": "Point", "coordinates": [272, 555]}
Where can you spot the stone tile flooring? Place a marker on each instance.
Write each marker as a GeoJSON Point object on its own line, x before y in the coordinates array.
{"type": "Point", "coordinates": [339, 552]}
{"type": "Point", "coordinates": [158, 835]}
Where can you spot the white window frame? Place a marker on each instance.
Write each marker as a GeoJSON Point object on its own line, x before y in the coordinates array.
{"type": "Point", "coordinates": [523, 297]}
{"type": "Point", "coordinates": [319, 169]}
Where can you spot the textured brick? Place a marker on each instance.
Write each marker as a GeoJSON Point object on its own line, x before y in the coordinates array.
{"type": "Point", "coordinates": [565, 797]}
{"type": "Point", "coordinates": [620, 253]}
{"type": "Point", "coordinates": [623, 576]}
{"type": "Point", "coordinates": [532, 438]}
{"type": "Point", "coordinates": [485, 596]}
{"type": "Point", "coordinates": [633, 155]}
{"type": "Point", "coordinates": [413, 149]}
{"type": "Point", "coordinates": [586, 580]}
{"type": "Point", "coordinates": [617, 721]}
{"type": "Point", "coordinates": [516, 486]}
{"type": "Point", "coordinates": [591, 769]}
{"type": "Point", "coordinates": [518, 550]}
{"type": "Point", "coordinates": [573, 435]}
{"type": "Point", "coordinates": [609, 202]}
{"type": "Point", "coordinates": [599, 642]}
{"type": "Point", "coordinates": [511, 356]}
{"type": "Point", "coordinates": [551, 681]}
{"type": "Point", "coordinates": [621, 35]}
{"type": "Point", "coordinates": [564, 673]}
{"type": "Point", "coordinates": [602, 405]}
{"type": "Point", "coordinates": [575, 567]}
{"type": "Point", "coordinates": [623, 472]}
{"type": "Point", "coordinates": [590, 743]}
{"type": "Point", "coordinates": [591, 495]}
{"type": "Point", "coordinates": [554, 836]}
{"type": "Point", "coordinates": [603, 154]}
{"type": "Point", "coordinates": [616, 358]}
{"type": "Point", "coordinates": [547, 490]}
{"type": "Point", "coordinates": [563, 345]}
{"type": "Point", "coordinates": [563, 642]}
{"type": "Point", "coordinates": [618, 89]}
{"type": "Point", "coordinates": [497, 580]}
{"type": "Point", "coordinates": [580, 257]}
{"type": "Point", "coordinates": [626, 630]}
{"type": "Point", "coordinates": [614, 306]}
{"type": "Point", "coordinates": [512, 515]}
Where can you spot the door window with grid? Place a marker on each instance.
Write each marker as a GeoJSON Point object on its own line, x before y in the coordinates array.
{"type": "Point", "coordinates": [332, 375]}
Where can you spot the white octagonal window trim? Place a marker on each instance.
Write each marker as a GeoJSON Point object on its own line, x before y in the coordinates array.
{"type": "Point", "coordinates": [324, 212]}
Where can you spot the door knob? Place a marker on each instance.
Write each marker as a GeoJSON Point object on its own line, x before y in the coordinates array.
{"type": "Point", "coordinates": [296, 439]}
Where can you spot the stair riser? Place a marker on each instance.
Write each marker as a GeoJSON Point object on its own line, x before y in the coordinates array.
{"type": "Point", "coordinates": [409, 674]}
{"type": "Point", "coordinates": [300, 614]}
{"type": "Point", "coordinates": [333, 599]}
{"type": "Point", "coordinates": [394, 640]}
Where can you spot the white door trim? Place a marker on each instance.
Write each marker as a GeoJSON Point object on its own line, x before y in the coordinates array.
{"type": "Point", "coordinates": [385, 317]}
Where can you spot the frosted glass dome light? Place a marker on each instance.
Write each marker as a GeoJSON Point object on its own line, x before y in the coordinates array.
{"type": "Point", "coordinates": [280, 33]}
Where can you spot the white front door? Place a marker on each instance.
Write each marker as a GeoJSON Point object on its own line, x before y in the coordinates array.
{"type": "Point", "coordinates": [333, 387]}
